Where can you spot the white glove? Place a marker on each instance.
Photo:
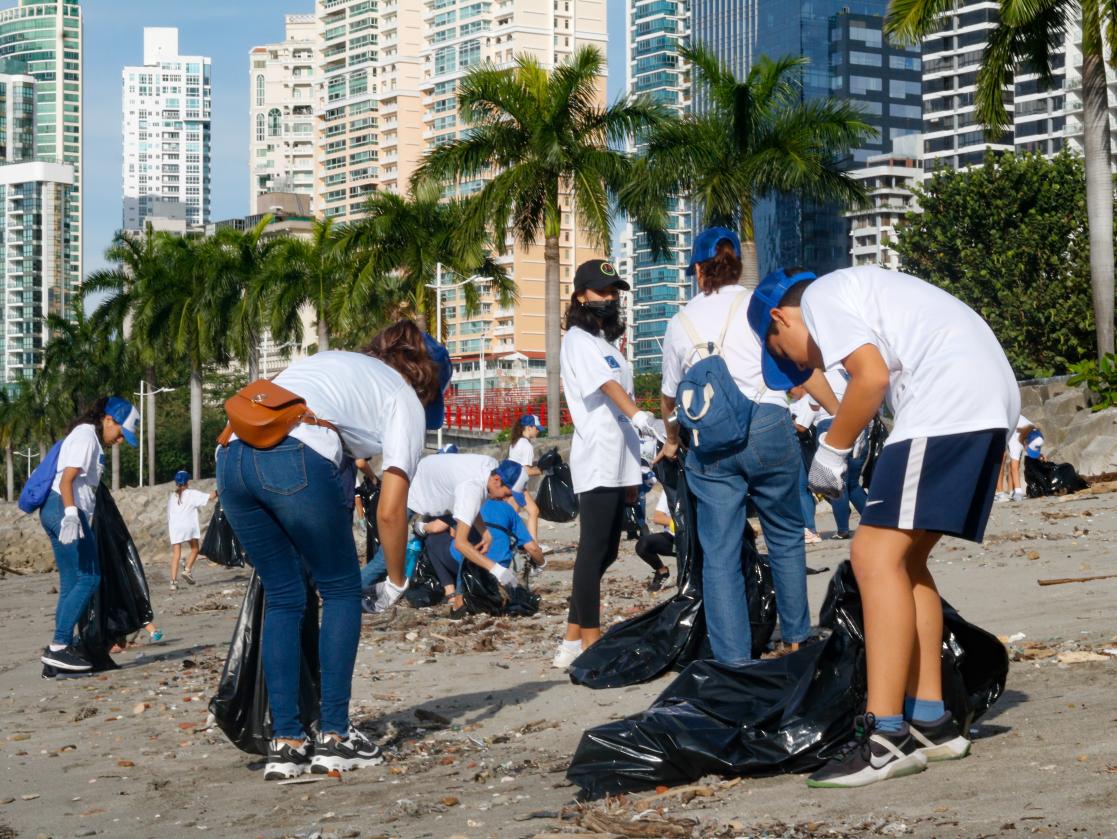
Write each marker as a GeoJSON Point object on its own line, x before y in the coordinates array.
{"type": "Point", "coordinates": [70, 529]}
{"type": "Point", "coordinates": [503, 575]}
{"type": "Point", "coordinates": [644, 423]}
{"type": "Point", "coordinates": [386, 593]}
{"type": "Point", "coordinates": [859, 444]}
{"type": "Point", "coordinates": [828, 470]}
{"type": "Point", "coordinates": [419, 528]}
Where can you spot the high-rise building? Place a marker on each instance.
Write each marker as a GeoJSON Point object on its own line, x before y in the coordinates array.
{"type": "Point", "coordinates": [281, 114]}
{"type": "Point", "coordinates": [43, 39]}
{"type": "Point", "coordinates": [660, 286]}
{"type": "Point", "coordinates": [166, 131]}
{"type": "Point", "coordinates": [888, 178]}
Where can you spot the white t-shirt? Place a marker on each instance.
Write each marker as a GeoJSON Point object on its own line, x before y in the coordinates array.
{"type": "Point", "coordinates": [803, 412]}
{"type": "Point", "coordinates": [453, 484]}
{"type": "Point", "coordinates": [605, 451]}
{"type": "Point", "coordinates": [523, 452]}
{"type": "Point", "coordinates": [707, 314]}
{"type": "Point", "coordinates": [837, 377]}
{"type": "Point", "coordinates": [82, 449]}
{"type": "Point", "coordinates": [372, 406]}
{"type": "Point", "coordinates": [1015, 446]}
{"type": "Point", "coordinates": [948, 373]}
{"type": "Point", "coordinates": [662, 506]}
{"type": "Point", "coordinates": [182, 515]}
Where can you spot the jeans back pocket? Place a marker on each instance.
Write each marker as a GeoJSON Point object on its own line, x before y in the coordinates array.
{"type": "Point", "coordinates": [281, 470]}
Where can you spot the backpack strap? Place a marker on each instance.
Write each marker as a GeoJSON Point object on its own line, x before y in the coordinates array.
{"type": "Point", "coordinates": [709, 347]}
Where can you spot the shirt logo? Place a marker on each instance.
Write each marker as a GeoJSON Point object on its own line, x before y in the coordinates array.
{"type": "Point", "coordinates": [612, 362]}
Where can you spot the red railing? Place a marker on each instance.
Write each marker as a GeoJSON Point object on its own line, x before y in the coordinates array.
{"type": "Point", "coordinates": [503, 407]}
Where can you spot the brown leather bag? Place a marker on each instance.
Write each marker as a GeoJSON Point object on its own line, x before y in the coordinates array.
{"type": "Point", "coordinates": [262, 414]}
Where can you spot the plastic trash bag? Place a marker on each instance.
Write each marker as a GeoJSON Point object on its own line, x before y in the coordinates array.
{"type": "Point", "coordinates": [424, 589]}
{"type": "Point", "coordinates": [483, 594]}
{"type": "Point", "coordinates": [873, 447]}
{"type": "Point", "coordinates": [775, 715]}
{"type": "Point", "coordinates": [370, 500]}
{"type": "Point", "coordinates": [673, 633]}
{"type": "Point", "coordinates": [220, 544]}
{"type": "Point", "coordinates": [1042, 478]}
{"type": "Point", "coordinates": [121, 605]}
{"type": "Point", "coordinates": [240, 706]}
{"type": "Point", "coordinates": [555, 497]}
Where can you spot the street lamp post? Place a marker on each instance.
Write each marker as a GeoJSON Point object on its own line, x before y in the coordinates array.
{"type": "Point", "coordinates": [29, 455]}
{"type": "Point", "coordinates": [142, 394]}
{"type": "Point", "coordinates": [438, 287]}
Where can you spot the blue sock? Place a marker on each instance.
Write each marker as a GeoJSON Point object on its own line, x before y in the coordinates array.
{"type": "Point", "coordinates": [923, 710]}
{"type": "Point", "coordinates": [893, 724]}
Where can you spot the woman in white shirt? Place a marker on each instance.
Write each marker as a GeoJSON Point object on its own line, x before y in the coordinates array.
{"type": "Point", "coordinates": [521, 451]}
{"type": "Point", "coordinates": [605, 452]}
{"type": "Point", "coordinates": [67, 517]}
{"type": "Point", "coordinates": [291, 508]}
{"type": "Point", "coordinates": [183, 526]}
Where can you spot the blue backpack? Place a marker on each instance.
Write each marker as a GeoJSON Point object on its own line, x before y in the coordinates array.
{"type": "Point", "coordinates": [709, 403]}
{"type": "Point", "coordinates": [37, 489]}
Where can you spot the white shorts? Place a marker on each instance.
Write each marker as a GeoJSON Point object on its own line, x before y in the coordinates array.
{"type": "Point", "coordinates": [1015, 447]}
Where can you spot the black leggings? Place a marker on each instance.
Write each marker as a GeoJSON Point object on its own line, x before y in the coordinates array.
{"type": "Point", "coordinates": [654, 545]}
{"type": "Point", "coordinates": [600, 520]}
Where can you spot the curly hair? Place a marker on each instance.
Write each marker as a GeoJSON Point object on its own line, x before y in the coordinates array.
{"type": "Point", "coordinates": [93, 415]}
{"type": "Point", "coordinates": [401, 347]}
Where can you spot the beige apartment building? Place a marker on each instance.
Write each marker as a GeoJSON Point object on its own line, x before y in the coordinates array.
{"type": "Point", "coordinates": [387, 77]}
{"type": "Point", "coordinates": [281, 114]}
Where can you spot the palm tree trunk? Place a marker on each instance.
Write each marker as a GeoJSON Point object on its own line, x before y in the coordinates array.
{"type": "Point", "coordinates": [254, 360]}
{"type": "Point", "coordinates": [552, 343]}
{"type": "Point", "coordinates": [150, 412]}
{"type": "Point", "coordinates": [750, 263]}
{"type": "Point", "coordinates": [115, 468]}
{"type": "Point", "coordinates": [196, 420]}
{"type": "Point", "coordinates": [323, 333]}
{"type": "Point", "coordinates": [1099, 195]}
{"type": "Point", "coordinates": [10, 467]}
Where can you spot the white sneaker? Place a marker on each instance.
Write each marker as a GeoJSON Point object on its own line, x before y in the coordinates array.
{"type": "Point", "coordinates": [1019, 495]}
{"type": "Point", "coordinates": [810, 537]}
{"type": "Point", "coordinates": [1002, 497]}
{"type": "Point", "coordinates": [565, 656]}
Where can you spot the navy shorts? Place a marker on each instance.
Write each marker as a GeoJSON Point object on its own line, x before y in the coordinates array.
{"type": "Point", "coordinates": [941, 484]}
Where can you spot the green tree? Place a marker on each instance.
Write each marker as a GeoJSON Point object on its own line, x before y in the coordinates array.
{"type": "Point", "coordinates": [1029, 33]}
{"type": "Point", "coordinates": [1009, 239]}
{"type": "Point", "coordinates": [244, 259]}
{"type": "Point", "coordinates": [756, 137]}
{"type": "Point", "coordinates": [398, 245]}
{"type": "Point", "coordinates": [540, 137]}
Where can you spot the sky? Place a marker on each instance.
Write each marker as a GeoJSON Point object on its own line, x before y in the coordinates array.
{"type": "Point", "coordinates": [224, 30]}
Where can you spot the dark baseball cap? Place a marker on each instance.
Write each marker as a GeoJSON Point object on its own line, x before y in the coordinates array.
{"type": "Point", "coordinates": [598, 274]}
{"type": "Point", "coordinates": [779, 373]}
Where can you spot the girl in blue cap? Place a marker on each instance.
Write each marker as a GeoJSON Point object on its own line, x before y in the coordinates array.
{"type": "Point", "coordinates": [182, 524]}
{"type": "Point", "coordinates": [67, 517]}
{"type": "Point", "coordinates": [954, 398]}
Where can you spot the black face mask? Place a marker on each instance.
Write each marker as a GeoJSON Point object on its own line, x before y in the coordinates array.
{"type": "Point", "coordinates": [604, 309]}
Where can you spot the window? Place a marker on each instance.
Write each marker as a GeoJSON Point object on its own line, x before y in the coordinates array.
{"type": "Point", "coordinates": [469, 54]}
{"type": "Point", "coordinates": [445, 60]}
{"type": "Point", "coordinates": [274, 117]}
{"type": "Point", "coordinates": [865, 59]}
{"type": "Point", "coordinates": [260, 90]}
{"type": "Point", "coordinates": [860, 85]}
{"type": "Point", "coordinates": [902, 90]}
{"type": "Point", "coordinates": [903, 62]}
{"type": "Point", "coordinates": [259, 127]}
{"type": "Point", "coordinates": [866, 36]}
{"type": "Point", "coordinates": [906, 111]}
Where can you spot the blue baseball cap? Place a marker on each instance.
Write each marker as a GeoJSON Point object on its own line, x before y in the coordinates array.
{"type": "Point", "coordinates": [436, 410]}
{"type": "Point", "coordinates": [779, 373]}
{"type": "Point", "coordinates": [122, 411]}
{"type": "Point", "coordinates": [532, 421]}
{"type": "Point", "coordinates": [706, 245]}
{"type": "Point", "coordinates": [449, 448]}
{"type": "Point", "coordinates": [512, 474]}
{"type": "Point", "coordinates": [182, 477]}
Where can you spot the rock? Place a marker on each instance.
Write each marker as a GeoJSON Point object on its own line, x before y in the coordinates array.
{"type": "Point", "coordinates": [1058, 413]}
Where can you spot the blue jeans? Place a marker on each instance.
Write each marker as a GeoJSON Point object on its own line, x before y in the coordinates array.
{"type": "Point", "coordinates": [767, 470]}
{"type": "Point", "coordinates": [290, 508]}
{"type": "Point", "coordinates": [806, 500]}
{"type": "Point", "coordinates": [853, 493]}
{"type": "Point", "coordinates": [79, 569]}
{"type": "Point", "coordinates": [375, 570]}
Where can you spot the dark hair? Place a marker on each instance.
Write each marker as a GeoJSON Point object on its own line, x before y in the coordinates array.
{"type": "Point", "coordinates": [401, 347]}
{"type": "Point", "coordinates": [793, 297]}
{"type": "Point", "coordinates": [93, 415]}
{"type": "Point", "coordinates": [517, 433]}
{"type": "Point", "coordinates": [721, 269]}
{"type": "Point", "coordinates": [581, 316]}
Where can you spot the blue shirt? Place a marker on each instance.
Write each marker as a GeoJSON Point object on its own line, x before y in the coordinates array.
{"type": "Point", "coordinates": [500, 513]}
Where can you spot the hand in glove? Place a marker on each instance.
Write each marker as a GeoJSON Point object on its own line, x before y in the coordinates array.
{"type": "Point", "coordinates": [644, 423]}
{"type": "Point", "coordinates": [503, 575]}
{"type": "Point", "coordinates": [828, 470]}
{"type": "Point", "coordinates": [70, 529]}
{"type": "Point", "coordinates": [386, 594]}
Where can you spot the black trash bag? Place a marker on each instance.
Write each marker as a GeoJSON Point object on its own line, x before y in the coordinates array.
{"type": "Point", "coordinates": [1042, 478]}
{"type": "Point", "coordinates": [673, 633]}
{"type": "Point", "coordinates": [220, 544]}
{"type": "Point", "coordinates": [775, 715]}
{"type": "Point", "coordinates": [370, 499]}
{"type": "Point", "coordinates": [240, 706]}
{"type": "Point", "coordinates": [424, 589]}
{"type": "Point", "coordinates": [121, 605]}
{"type": "Point", "coordinates": [483, 594]}
{"type": "Point", "coordinates": [631, 521]}
{"type": "Point", "coordinates": [555, 497]}
{"type": "Point", "coordinates": [873, 447]}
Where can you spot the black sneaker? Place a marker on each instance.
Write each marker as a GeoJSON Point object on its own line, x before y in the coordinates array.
{"type": "Point", "coordinates": [869, 757]}
{"type": "Point", "coordinates": [939, 740]}
{"type": "Point", "coordinates": [459, 612]}
{"type": "Point", "coordinates": [285, 761]}
{"type": "Point", "coordinates": [68, 659]}
{"type": "Point", "coordinates": [354, 752]}
{"type": "Point", "coordinates": [658, 579]}
{"type": "Point", "coordinates": [843, 534]}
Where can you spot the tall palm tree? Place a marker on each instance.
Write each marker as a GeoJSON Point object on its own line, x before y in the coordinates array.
{"type": "Point", "coordinates": [244, 258]}
{"type": "Point", "coordinates": [540, 136]}
{"type": "Point", "coordinates": [1030, 33]}
{"type": "Point", "coordinates": [756, 137]}
{"type": "Point", "coordinates": [400, 242]}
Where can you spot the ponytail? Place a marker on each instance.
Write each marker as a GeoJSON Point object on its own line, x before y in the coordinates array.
{"type": "Point", "coordinates": [401, 347]}
{"type": "Point", "coordinates": [517, 433]}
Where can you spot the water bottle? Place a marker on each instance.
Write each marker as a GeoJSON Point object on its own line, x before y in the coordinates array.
{"type": "Point", "coordinates": [414, 548]}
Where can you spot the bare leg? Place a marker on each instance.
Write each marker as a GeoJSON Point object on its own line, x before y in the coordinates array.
{"type": "Point", "coordinates": [925, 672]}
{"type": "Point", "coordinates": [176, 558]}
{"type": "Point", "coordinates": [590, 636]}
{"type": "Point", "coordinates": [1002, 483]}
{"type": "Point", "coordinates": [194, 548]}
{"type": "Point", "coordinates": [573, 632]}
{"type": "Point", "coordinates": [1014, 475]}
